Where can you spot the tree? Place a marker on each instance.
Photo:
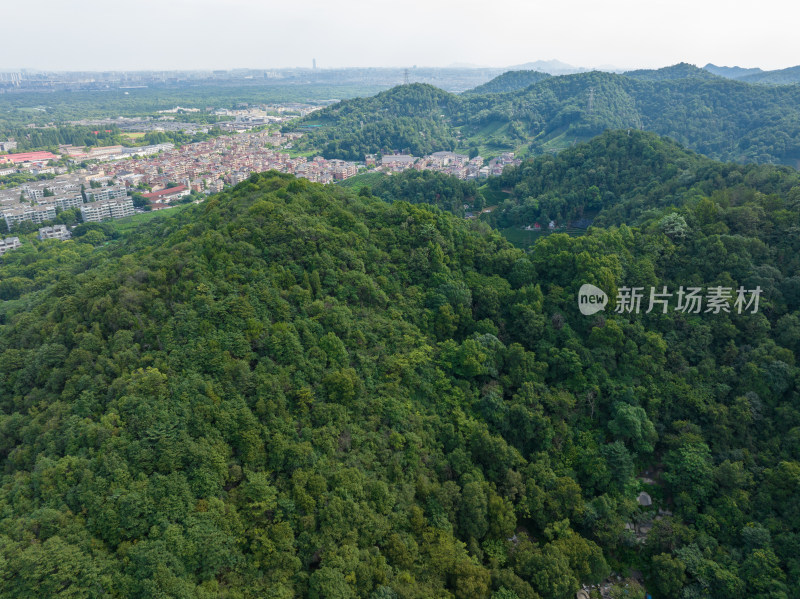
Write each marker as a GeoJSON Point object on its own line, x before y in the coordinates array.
{"type": "Point", "coordinates": [632, 425]}
{"type": "Point", "coordinates": [473, 511]}
{"type": "Point", "coordinates": [328, 583]}
{"type": "Point", "coordinates": [667, 576]}
{"type": "Point", "coordinates": [689, 471]}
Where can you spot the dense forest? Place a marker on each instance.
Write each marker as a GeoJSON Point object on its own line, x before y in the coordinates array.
{"type": "Point", "coordinates": [677, 71]}
{"type": "Point", "coordinates": [298, 390]}
{"type": "Point", "coordinates": [618, 177]}
{"type": "Point", "coordinates": [721, 118]}
{"type": "Point", "coordinates": [508, 82]}
{"type": "Point", "coordinates": [429, 187]}
{"type": "Point", "coordinates": [411, 118]}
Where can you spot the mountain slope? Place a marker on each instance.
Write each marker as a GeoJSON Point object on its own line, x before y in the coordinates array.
{"type": "Point", "coordinates": [407, 117]}
{"type": "Point", "coordinates": [621, 177]}
{"type": "Point", "coordinates": [721, 118]}
{"type": "Point", "coordinates": [731, 72]}
{"type": "Point", "coordinates": [755, 75]}
{"type": "Point", "coordinates": [509, 81]}
{"type": "Point", "coordinates": [294, 391]}
{"type": "Point", "coordinates": [790, 75]}
{"type": "Point", "coordinates": [679, 71]}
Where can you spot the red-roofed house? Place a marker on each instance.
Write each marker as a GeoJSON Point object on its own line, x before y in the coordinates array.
{"type": "Point", "coordinates": [28, 157]}
{"type": "Point", "coordinates": [168, 195]}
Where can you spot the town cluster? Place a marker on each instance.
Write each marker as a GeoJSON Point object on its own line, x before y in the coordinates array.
{"type": "Point", "coordinates": [450, 163]}
{"type": "Point", "coordinates": [99, 181]}
{"type": "Point", "coordinates": [171, 173]}
{"type": "Point", "coordinates": [208, 165]}
{"type": "Point", "coordinates": [41, 201]}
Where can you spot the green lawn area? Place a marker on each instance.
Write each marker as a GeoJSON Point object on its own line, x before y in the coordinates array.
{"type": "Point", "coordinates": [559, 140]}
{"type": "Point", "coordinates": [368, 179]}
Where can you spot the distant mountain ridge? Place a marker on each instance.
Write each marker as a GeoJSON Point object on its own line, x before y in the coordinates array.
{"type": "Point", "coordinates": [682, 70]}
{"type": "Point", "coordinates": [551, 67]}
{"type": "Point", "coordinates": [755, 75]}
{"type": "Point", "coordinates": [731, 72]}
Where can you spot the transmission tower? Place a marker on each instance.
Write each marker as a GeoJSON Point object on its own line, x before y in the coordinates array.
{"type": "Point", "coordinates": [405, 77]}
{"type": "Point", "coordinates": [591, 100]}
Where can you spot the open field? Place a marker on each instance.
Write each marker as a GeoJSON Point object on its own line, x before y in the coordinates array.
{"type": "Point", "coordinates": [368, 179]}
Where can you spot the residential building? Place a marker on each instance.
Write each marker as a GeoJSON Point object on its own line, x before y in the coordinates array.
{"type": "Point", "coordinates": [402, 160]}
{"type": "Point", "coordinates": [36, 214]}
{"type": "Point", "coordinates": [9, 243]}
{"type": "Point", "coordinates": [111, 192]}
{"type": "Point", "coordinates": [74, 200]}
{"type": "Point", "coordinates": [55, 232]}
{"type": "Point", "coordinates": [95, 212]}
{"type": "Point", "coordinates": [168, 195]}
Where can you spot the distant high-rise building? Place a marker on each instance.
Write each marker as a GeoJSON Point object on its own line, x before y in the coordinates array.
{"type": "Point", "coordinates": [314, 63]}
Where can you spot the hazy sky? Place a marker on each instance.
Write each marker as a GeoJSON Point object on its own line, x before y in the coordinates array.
{"type": "Point", "coordinates": [220, 34]}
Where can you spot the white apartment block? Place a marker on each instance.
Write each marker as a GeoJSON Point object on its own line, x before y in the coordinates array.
{"type": "Point", "coordinates": [9, 243]}
{"type": "Point", "coordinates": [36, 190]}
{"type": "Point", "coordinates": [55, 232]}
{"type": "Point", "coordinates": [95, 212]}
{"type": "Point", "coordinates": [111, 192]}
{"type": "Point", "coordinates": [65, 202]}
{"type": "Point", "coordinates": [37, 214]}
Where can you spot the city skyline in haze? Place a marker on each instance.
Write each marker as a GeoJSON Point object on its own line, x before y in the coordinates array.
{"type": "Point", "coordinates": [87, 35]}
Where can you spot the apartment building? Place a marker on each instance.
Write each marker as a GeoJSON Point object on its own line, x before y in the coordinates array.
{"type": "Point", "coordinates": [74, 200]}
{"type": "Point", "coordinates": [22, 213]}
{"type": "Point", "coordinates": [95, 212]}
{"type": "Point", "coordinates": [111, 192]}
{"type": "Point", "coordinates": [9, 243]}
{"type": "Point", "coordinates": [55, 232]}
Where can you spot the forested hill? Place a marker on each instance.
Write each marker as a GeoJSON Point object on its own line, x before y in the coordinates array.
{"type": "Point", "coordinates": [754, 75]}
{"type": "Point", "coordinates": [721, 118]}
{"type": "Point", "coordinates": [414, 117]}
{"type": "Point", "coordinates": [679, 71]}
{"type": "Point", "coordinates": [294, 391]}
{"type": "Point", "coordinates": [508, 82]}
{"type": "Point", "coordinates": [777, 77]}
{"type": "Point", "coordinates": [621, 177]}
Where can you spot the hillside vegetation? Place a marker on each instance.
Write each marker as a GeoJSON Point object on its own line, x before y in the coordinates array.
{"type": "Point", "coordinates": [721, 118]}
{"type": "Point", "coordinates": [622, 176]}
{"type": "Point", "coordinates": [294, 390]}
{"type": "Point", "coordinates": [509, 81]}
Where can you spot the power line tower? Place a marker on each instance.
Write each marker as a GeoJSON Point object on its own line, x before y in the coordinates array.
{"type": "Point", "coordinates": [405, 77]}
{"type": "Point", "coordinates": [591, 100]}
